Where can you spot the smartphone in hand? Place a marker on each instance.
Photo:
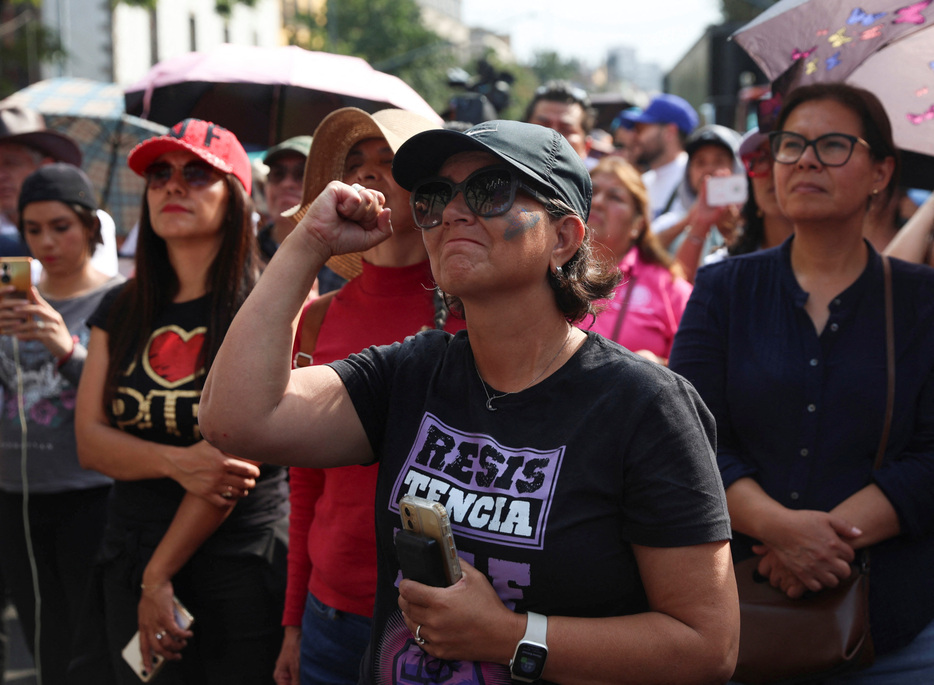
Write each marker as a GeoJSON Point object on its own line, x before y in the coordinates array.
{"type": "Point", "coordinates": [16, 271]}
{"type": "Point", "coordinates": [134, 657]}
{"type": "Point", "coordinates": [425, 546]}
{"type": "Point", "coordinates": [726, 190]}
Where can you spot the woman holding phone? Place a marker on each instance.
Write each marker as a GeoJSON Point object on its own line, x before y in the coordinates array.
{"type": "Point", "coordinates": [186, 519]}
{"type": "Point", "coordinates": [42, 352]}
{"type": "Point", "coordinates": [578, 477]}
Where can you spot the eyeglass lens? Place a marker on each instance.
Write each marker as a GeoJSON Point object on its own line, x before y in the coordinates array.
{"type": "Point", "coordinates": [832, 149]}
{"type": "Point", "coordinates": [758, 163]}
{"type": "Point", "coordinates": [278, 173]}
{"type": "Point", "coordinates": [487, 192]}
{"type": "Point", "coordinates": [194, 174]}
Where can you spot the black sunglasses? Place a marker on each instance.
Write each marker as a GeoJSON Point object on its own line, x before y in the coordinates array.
{"type": "Point", "coordinates": [195, 174]}
{"type": "Point", "coordinates": [488, 192]}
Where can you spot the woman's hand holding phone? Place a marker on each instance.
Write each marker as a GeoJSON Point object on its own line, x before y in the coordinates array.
{"type": "Point", "coordinates": [157, 616]}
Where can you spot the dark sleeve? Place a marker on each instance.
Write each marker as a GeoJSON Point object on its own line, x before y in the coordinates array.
{"type": "Point", "coordinates": [700, 353]}
{"type": "Point", "coordinates": [100, 315]}
{"type": "Point", "coordinates": [672, 492]}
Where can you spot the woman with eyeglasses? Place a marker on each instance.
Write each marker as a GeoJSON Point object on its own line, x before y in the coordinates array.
{"type": "Point", "coordinates": [186, 520]}
{"type": "Point", "coordinates": [764, 225]}
{"type": "Point", "coordinates": [579, 478]}
{"type": "Point", "coordinates": [646, 308]}
{"type": "Point", "coordinates": [787, 346]}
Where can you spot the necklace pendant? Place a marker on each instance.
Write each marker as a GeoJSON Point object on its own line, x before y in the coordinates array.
{"type": "Point", "coordinates": [489, 404]}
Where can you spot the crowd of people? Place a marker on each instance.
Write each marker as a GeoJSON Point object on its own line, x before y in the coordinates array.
{"type": "Point", "coordinates": [617, 376]}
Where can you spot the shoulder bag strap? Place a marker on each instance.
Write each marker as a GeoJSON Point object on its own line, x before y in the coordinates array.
{"type": "Point", "coordinates": [889, 361]}
{"type": "Point", "coordinates": [618, 326]}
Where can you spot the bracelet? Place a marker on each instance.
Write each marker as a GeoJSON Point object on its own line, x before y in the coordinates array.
{"type": "Point", "coordinates": [64, 360]}
{"type": "Point", "coordinates": [144, 587]}
{"type": "Point", "coordinates": [695, 239]}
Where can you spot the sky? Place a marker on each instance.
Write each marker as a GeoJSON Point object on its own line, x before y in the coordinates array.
{"type": "Point", "coordinates": [661, 31]}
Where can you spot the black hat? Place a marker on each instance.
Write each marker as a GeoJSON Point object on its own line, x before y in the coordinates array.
{"type": "Point", "coordinates": [27, 127]}
{"type": "Point", "coordinates": [61, 182]}
{"type": "Point", "coordinates": [541, 155]}
{"type": "Point", "coordinates": [713, 134]}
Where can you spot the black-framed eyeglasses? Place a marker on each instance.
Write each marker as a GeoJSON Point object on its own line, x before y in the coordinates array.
{"type": "Point", "coordinates": [195, 174]}
{"type": "Point", "coordinates": [490, 191]}
{"type": "Point", "coordinates": [832, 149]}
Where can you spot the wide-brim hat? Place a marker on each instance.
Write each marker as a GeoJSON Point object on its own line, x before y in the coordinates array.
{"type": "Point", "coordinates": [206, 140]}
{"type": "Point", "coordinates": [541, 155]}
{"type": "Point", "coordinates": [332, 141]}
{"type": "Point", "coordinates": [27, 127]}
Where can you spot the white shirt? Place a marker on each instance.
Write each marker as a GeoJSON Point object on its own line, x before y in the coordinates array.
{"type": "Point", "coordinates": [663, 182]}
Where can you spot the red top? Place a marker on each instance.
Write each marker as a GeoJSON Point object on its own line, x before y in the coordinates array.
{"type": "Point", "coordinates": [332, 537]}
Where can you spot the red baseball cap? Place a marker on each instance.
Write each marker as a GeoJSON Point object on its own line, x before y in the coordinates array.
{"type": "Point", "coordinates": [214, 144]}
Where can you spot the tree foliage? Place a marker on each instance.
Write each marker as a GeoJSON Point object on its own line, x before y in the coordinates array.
{"type": "Point", "coordinates": [24, 44]}
{"type": "Point", "coordinates": [549, 65]}
{"type": "Point", "coordinates": [743, 10]}
{"type": "Point", "coordinates": [389, 34]}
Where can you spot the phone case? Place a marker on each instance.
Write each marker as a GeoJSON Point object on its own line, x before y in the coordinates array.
{"type": "Point", "coordinates": [430, 519]}
{"type": "Point", "coordinates": [420, 559]}
{"type": "Point", "coordinates": [132, 655]}
{"type": "Point", "coordinates": [16, 271]}
{"type": "Point", "coordinates": [726, 190]}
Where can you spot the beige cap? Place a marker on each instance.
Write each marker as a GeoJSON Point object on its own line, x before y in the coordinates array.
{"type": "Point", "coordinates": [332, 141]}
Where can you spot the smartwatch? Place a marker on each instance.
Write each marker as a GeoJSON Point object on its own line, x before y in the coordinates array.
{"type": "Point", "coordinates": [528, 662]}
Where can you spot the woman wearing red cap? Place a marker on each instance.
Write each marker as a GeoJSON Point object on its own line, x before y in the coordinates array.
{"type": "Point", "coordinates": [181, 522]}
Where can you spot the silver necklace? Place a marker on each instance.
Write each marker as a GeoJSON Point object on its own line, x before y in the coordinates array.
{"type": "Point", "coordinates": [490, 398]}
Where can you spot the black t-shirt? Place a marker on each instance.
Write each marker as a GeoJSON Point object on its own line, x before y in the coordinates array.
{"type": "Point", "coordinates": [157, 400]}
{"type": "Point", "coordinates": [547, 494]}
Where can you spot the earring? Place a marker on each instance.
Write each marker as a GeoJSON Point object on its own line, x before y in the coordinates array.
{"type": "Point", "coordinates": [875, 191]}
{"type": "Point", "coordinates": [558, 271]}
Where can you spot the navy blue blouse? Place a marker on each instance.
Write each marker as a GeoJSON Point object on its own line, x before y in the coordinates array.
{"type": "Point", "coordinates": [802, 413]}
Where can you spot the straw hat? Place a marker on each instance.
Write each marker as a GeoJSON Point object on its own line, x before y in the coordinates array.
{"type": "Point", "coordinates": [333, 139]}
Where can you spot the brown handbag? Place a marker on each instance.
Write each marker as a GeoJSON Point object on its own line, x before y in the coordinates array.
{"type": "Point", "coordinates": [822, 634]}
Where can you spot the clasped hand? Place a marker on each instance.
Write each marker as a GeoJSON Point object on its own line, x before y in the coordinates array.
{"type": "Point", "coordinates": [214, 475]}
{"type": "Point", "coordinates": [807, 550]}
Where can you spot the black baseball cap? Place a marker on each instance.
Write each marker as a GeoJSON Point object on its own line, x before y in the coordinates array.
{"type": "Point", "coordinates": [62, 182]}
{"type": "Point", "coordinates": [540, 155]}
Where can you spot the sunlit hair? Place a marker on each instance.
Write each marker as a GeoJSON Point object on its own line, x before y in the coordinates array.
{"type": "Point", "coordinates": [568, 94]}
{"type": "Point", "coordinates": [583, 280]}
{"type": "Point", "coordinates": [86, 217]}
{"type": "Point", "coordinates": [877, 129]}
{"type": "Point", "coordinates": [231, 277]}
{"type": "Point", "coordinates": [650, 249]}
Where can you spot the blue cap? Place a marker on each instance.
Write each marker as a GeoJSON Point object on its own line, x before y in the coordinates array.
{"type": "Point", "coordinates": [669, 109]}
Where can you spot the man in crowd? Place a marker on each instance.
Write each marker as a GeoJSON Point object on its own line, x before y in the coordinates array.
{"type": "Point", "coordinates": [661, 131]}
{"type": "Point", "coordinates": [565, 108]}
{"type": "Point", "coordinates": [25, 145]}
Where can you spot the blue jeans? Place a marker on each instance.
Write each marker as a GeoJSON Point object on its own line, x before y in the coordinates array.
{"type": "Point", "coordinates": [911, 664]}
{"type": "Point", "coordinates": [333, 643]}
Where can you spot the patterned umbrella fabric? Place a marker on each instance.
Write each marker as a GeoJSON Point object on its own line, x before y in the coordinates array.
{"type": "Point", "coordinates": [266, 95]}
{"type": "Point", "coordinates": [884, 46]}
{"type": "Point", "coordinates": [91, 113]}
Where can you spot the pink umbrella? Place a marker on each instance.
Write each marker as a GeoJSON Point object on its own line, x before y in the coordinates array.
{"type": "Point", "coordinates": [265, 95]}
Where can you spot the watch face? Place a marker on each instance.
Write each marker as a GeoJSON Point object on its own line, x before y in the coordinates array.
{"type": "Point", "coordinates": [529, 662]}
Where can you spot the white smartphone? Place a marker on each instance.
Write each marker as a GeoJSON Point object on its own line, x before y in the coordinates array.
{"type": "Point", "coordinates": [134, 657]}
{"type": "Point", "coordinates": [726, 190]}
{"type": "Point", "coordinates": [427, 519]}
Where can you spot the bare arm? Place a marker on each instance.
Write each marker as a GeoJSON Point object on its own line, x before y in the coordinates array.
{"type": "Point", "coordinates": [689, 635]}
{"type": "Point", "coordinates": [305, 417]}
{"type": "Point", "coordinates": [200, 469]}
{"type": "Point", "coordinates": [913, 242]}
{"type": "Point", "coordinates": [194, 522]}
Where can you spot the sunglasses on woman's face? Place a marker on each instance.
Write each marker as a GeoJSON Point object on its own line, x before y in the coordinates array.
{"type": "Point", "coordinates": [758, 164]}
{"type": "Point", "coordinates": [195, 174]}
{"type": "Point", "coordinates": [488, 192]}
